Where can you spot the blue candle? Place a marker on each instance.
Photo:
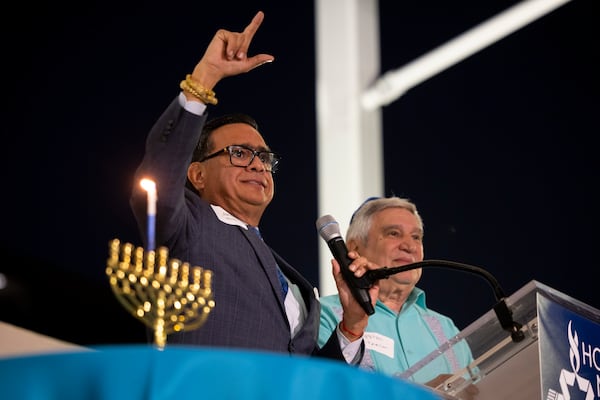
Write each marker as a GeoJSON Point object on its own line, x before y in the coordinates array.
{"type": "Point", "coordinates": [150, 188]}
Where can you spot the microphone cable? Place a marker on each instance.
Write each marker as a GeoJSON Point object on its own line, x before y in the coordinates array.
{"type": "Point", "coordinates": [501, 309]}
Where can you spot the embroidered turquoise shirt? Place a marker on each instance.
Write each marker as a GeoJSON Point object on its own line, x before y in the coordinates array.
{"type": "Point", "coordinates": [395, 342]}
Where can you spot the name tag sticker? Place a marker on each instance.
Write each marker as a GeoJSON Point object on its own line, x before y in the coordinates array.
{"type": "Point", "coordinates": [379, 343]}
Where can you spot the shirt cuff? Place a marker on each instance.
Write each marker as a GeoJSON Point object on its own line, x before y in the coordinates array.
{"type": "Point", "coordinates": [195, 107]}
{"type": "Point", "coordinates": [350, 350]}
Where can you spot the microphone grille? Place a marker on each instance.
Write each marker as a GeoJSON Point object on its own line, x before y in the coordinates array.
{"type": "Point", "coordinates": [328, 227]}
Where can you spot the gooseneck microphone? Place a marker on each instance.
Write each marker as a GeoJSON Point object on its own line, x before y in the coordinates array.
{"type": "Point", "coordinates": [329, 230]}
{"type": "Point", "coordinates": [501, 309]}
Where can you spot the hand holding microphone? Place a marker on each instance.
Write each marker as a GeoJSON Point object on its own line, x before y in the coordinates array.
{"type": "Point", "coordinates": [329, 230]}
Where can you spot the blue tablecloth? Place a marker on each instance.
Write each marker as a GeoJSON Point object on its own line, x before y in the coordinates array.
{"type": "Point", "coordinates": [144, 372]}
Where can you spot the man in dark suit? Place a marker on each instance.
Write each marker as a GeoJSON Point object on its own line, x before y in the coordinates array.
{"type": "Point", "coordinates": [214, 182]}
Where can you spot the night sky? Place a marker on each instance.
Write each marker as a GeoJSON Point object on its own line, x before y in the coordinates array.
{"type": "Point", "coordinates": [498, 152]}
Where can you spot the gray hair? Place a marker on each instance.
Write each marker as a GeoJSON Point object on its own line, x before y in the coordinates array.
{"type": "Point", "coordinates": [361, 220]}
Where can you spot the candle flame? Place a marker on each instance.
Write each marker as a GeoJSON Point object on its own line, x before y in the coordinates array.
{"type": "Point", "coordinates": [148, 185]}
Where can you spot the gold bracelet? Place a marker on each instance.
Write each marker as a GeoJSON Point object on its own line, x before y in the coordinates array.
{"type": "Point", "coordinates": [202, 96]}
{"type": "Point", "coordinates": [197, 87]}
{"type": "Point", "coordinates": [200, 92]}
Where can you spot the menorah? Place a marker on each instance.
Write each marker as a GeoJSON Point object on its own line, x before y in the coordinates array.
{"type": "Point", "coordinates": [166, 295]}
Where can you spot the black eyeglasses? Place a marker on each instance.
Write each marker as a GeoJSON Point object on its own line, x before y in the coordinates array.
{"type": "Point", "coordinates": [242, 156]}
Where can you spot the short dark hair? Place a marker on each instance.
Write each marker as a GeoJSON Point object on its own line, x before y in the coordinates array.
{"type": "Point", "coordinates": [203, 148]}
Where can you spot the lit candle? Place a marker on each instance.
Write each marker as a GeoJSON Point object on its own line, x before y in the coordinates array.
{"type": "Point", "coordinates": [150, 187]}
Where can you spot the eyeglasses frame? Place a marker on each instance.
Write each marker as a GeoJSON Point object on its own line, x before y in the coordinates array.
{"type": "Point", "coordinates": [228, 150]}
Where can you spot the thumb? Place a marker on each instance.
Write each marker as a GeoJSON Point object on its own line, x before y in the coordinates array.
{"type": "Point", "coordinates": [260, 59]}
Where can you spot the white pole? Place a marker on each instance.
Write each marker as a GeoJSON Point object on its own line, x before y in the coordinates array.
{"type": "Point", "coordinates": [394, 84]}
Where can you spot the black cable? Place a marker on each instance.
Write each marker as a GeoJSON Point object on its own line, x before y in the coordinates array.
{"type": "Point", "coordinates": [501, 309]}
{"type": "Point", "coordinates": [386, 272]}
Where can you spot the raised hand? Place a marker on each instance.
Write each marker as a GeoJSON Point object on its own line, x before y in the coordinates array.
{"type": "Point", "coordinates": [227, 55]}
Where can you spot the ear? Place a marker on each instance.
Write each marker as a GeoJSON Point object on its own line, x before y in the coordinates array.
{"type": "Point", "coordinates": [352, 245]}
{"type": "Point", "coordinates": [196, 175]}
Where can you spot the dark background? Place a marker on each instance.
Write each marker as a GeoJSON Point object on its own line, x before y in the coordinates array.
{"type": "Point", "coordinates": [498, 152]}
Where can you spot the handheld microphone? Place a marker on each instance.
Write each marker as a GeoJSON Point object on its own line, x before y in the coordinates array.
{"type": "Point", "coordinates": [329, 230]}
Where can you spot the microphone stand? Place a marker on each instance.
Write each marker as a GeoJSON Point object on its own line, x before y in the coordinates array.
{"type": "Point", "coordinates": [501, 309]}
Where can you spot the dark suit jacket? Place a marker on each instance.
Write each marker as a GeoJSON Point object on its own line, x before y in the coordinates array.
{"type": "Point", "coordinates": [249, 311]}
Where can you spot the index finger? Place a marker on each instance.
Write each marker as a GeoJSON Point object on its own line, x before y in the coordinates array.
{"type": "Point", "coordinates": [254, 24]}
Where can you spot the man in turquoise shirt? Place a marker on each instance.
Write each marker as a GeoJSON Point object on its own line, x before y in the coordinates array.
{"type": "Point", "coordinates": [389, 232]}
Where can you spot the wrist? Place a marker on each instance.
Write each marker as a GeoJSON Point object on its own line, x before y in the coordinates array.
{"type": "Point", "coordinates": [351, 335]}
{"type": "Point", "coordinates": [206, 76]}
{"type": "Point", "coordinates": [193, 88]}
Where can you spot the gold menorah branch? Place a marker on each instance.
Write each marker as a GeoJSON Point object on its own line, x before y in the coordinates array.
{"type": "Point", "coordinates": [166, 295]}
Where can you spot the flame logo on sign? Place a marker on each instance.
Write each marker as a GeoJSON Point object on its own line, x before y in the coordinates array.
{"type": "Point", "coordinates": [567, 379]}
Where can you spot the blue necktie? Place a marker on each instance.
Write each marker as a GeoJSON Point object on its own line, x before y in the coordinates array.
{"type": "Point", "coordinates": [282, 280]}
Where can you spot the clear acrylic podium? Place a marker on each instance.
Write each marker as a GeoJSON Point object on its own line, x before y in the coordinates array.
{"type": "Point", "coordinates": [558, 358]}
